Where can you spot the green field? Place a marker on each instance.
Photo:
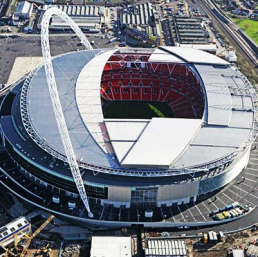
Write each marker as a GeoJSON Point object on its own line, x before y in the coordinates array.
{"type": "Point", "coordinates": [136, 110]}
{"type": "Point", "coordinates": [250, 27]}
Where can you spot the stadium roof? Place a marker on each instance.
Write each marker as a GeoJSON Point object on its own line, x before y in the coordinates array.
{"type": "Point", "coordinates": [67, 69]}
{"type": "Point", "coordinates": [162, 142]}
{"type": "Point", "coordinates": [192, 55]}
{"type": "Point", "coordinates": [89, 101]}
{"type": "Point", "coordinates": [142, 143]}
{"type": "Point", "coordinates": [161, 56]}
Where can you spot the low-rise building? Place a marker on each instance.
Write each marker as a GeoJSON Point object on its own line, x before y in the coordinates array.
{"type": "Point", "coordinates": [165, 247]}
{"type": "Point", "coordinates": [252, 251]}
{"type": "Point", "coordinates": [238, 253]}
{"type": "Point", "coordinates": [141, 23]}
{"type": "Point", "coordinates": [23, 12]}
{"type": "Point", "coordinates": [189, 30]}
{"type": "Point", "coordinates": [115, 246]}
{"type": "Point", "coordinates": [88, 18]}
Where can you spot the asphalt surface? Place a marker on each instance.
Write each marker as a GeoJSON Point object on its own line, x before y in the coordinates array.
{"type": "Point", "coordinates": [166, 28]}
{"type": "Point", "coordinates": [28, 45]}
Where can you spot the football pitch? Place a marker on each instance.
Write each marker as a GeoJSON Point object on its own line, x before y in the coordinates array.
{"type": "Point", "coordinates": [136, 110]}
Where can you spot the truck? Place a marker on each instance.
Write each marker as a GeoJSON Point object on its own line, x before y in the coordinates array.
{"type": "Point", "coordinates": [219, 216]}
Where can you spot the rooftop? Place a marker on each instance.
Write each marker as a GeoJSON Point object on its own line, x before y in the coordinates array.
{"type": "Point", "coordinates": [104, 246]}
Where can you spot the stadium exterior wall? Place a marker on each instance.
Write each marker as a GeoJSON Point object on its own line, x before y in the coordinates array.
{"type": "Point", "coordinates": [162, 195]}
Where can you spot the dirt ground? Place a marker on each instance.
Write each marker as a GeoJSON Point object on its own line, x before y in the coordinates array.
{"type": "Point", "coordinates": [241, 240]}
{"type": "Point", "coordinates": [53, 253]}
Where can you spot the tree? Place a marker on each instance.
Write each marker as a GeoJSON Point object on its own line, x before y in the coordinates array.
{"type": "Point", "coordinates": [246, 26]}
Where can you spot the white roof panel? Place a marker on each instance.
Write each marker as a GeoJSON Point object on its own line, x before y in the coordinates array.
{"type": "Point", "coordinates": [125, 131]}
{"type": "Point", "coordinates": [174, 135]}
{"type": "Point", "coordinates": [221, 136]}
{"type": "Point", "coordinates": [194, 55]}
{"type": "Point", "coordinates": [111, 246]}
{"type": "Point", "coordinates": [241, 119]}
{"type": "Point", "coordinates": [88, 92]}
{"type": "Point", "coordinates": [121, 149]}
{"type": "Point", "coordinates": [159, 55]}
{"type": "Point", "coordinates": [193, 157]}
{"type": "Point", "coordinates": [242, 102]}
{"type": "Point", "coordinates": [216, 80]}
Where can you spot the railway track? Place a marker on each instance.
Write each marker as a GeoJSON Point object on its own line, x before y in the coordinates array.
{"type": "Point", "coordinates": [231, 31]}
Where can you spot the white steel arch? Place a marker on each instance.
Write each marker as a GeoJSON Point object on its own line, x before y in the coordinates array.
{"type": "Point", "coordinates": [51, 81]}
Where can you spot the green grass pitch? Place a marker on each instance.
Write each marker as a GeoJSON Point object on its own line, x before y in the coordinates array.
{"type": "Point", "coordinates": [136, 110]}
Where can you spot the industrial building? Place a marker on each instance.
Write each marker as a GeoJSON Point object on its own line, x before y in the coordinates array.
{"type": "Point", "coordinates": [87, 17]}
{"type": "Point", "coordinates": [115, 246]}
{"type": "Point", "coordinates": [142, 18]}
{"type": "Point", "coordinates": [188, 30]}
{"type": "Point", "coordinates": [165, 247]}
{"type": "Point", "coordinates": [23, 12]}
{"type": "Point", "coordinates": [252, 251]}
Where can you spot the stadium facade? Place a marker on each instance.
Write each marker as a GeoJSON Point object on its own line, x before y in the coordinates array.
{"type": "Point", "coordinates": [133, 162]}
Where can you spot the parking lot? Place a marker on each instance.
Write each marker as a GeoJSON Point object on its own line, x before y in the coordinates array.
{"type": "Point", "coordinates": [29, 45]}
{"type": "Point", "coordinates": [166, 28]}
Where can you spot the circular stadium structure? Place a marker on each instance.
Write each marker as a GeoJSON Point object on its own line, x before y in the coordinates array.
{"type": "Point", "coordinates": [150, 129]}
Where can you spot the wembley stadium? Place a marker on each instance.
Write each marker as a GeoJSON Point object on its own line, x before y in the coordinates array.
{"type": "Point", "coordinates": [149, 128]}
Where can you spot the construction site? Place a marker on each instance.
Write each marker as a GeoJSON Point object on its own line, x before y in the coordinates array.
{"type": "Point", "coordinates": [41, 234]}
{"type": "Point", "coordinates": [38, 239]}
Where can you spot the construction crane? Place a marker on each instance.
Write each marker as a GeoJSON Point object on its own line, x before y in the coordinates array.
{"type": "Point", "coordinates": [29, 238]}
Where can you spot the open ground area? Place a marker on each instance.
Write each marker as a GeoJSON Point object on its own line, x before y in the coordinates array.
{"type": "Point", "coordinates": [30, 46]}
{"type": "Point", "coordinates": [250, 27]}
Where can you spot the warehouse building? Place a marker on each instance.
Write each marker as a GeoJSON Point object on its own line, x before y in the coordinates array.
{"type": "Point", "coordinates": [23, 12]}
{"type": "Point", "coordinates": [252, 251]}
{"type": "Point", "coordinates": [142, 18]}
{"type": "Point", "coordinates": [188, 30]}
{"type": "Point", "coordinates": [104, 246]}
{"type": "Point", "coordinates": [166, 247]}
{"type": "Point", "coordinates": [88, 18]}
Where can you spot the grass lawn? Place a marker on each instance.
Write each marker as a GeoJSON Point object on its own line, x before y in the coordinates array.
{"type": "Point", "coordinates": [249, 27]}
